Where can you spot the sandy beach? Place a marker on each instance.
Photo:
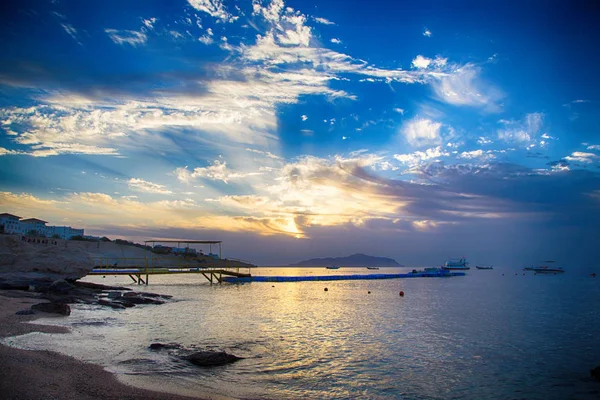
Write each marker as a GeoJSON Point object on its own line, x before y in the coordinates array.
{"type": "Point", "coordinates": [37, 375]}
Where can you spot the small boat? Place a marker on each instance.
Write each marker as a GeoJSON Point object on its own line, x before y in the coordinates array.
{"type": "Point", "coordinates": [547, 267]}
{"type": "Point", "coordinates": [332, 267]}
{"type": "Point", "coordinates": [372, 267]}
{"type": "Point", "coordinates": [484, 267]}
{"type": "Point", "coordinates": [453, 264]}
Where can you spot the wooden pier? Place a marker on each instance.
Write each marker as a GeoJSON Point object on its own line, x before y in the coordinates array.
{"type": "Point", "coordinates": [141, 275]}
{"type": "Point", "coordinates": [164, 260]}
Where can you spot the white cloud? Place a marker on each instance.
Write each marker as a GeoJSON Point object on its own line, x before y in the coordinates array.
{"type": "Point", "coordinates": [132, 38]}
{"type": "Point", "coordinates": [416, 158]}
{"type": "Point", "coordinates": [6, 152]}
{"type": "Point", "coordinates": [304, 117]}
{"type": "Point", "coordinates": [206, 39]}
{"type": "Point", "coordinates": [336, 41]}
{"type": "Point", "coordinates": [578, 101]}
{"type": "Point", "coordinates": [266, 153]}
{"type": "Point", "coordinates": [582, 157]}
{"type": "Point", "coordinates": [71, 32]}
{"type": "Point", "coordinates": [421, 62]}
{"type": "Point", "coordinates": [214, 8]}
{"type": "Point", "coordinates": [524, 131]}
{"type": "Point", "coordinates": [484, 140]}
{"type": "Point", "coordinates": [149, 23]}
{"type": "Point", "coordinates": [216, 172]}
{"type": "Point", "coordinates": [462, 86]}
{"type": "Point", "coordinates": [141, 185]}
{"type": "Point", "coordinates": [420, 132]}
{"type": "Point", "coordinates": [176, 35]}
{"type": "Point", "coordinates": [594, 147]}
{"type": "Point", "coordinates": [323, 21]}
{"type": "Point", "coordinates": [546, 136]}
{"type": "Point", "coordinates": [471, 154]}
{"type": "Point", "coordinates": [399, 110]}
{"type": "Point", "coordinates": [427, 33]}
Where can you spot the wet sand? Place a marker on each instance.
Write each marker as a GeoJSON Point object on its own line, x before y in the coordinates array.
{"type": "Point", "coordinates": [26, 374]}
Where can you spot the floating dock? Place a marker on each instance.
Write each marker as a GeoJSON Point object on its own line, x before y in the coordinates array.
{"type": "Point", "coordinates": [420, 274]}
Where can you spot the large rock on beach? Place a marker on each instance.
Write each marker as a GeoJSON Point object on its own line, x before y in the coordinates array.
{"type": "Point", "coordinates": [211, 358]}
{"type": "Point", "coordinates": [55, 308]}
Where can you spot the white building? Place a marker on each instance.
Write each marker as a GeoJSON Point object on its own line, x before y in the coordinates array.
{"type": "Point", "coordinates": [10, 224]}
{"type": "Point", "coordinates": [34, 226]}
{"type": "Point", "coordinates": [14, 225]}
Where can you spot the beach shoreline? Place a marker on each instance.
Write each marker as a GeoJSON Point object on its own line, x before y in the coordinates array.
{"type": "Point", "coordinates": [32, 374]}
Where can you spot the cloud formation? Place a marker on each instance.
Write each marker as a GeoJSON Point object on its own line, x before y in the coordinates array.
{"type": "Point", "coordinates": [132, 38]}
{"type": "Point", "coordinates": [422, 132]}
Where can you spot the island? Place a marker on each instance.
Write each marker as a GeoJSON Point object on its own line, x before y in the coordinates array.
{"type": "Point", "coordinates": [354, 260]}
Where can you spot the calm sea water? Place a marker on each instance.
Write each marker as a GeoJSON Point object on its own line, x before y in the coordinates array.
{"type": "Point", "coordinates": [485, 335]}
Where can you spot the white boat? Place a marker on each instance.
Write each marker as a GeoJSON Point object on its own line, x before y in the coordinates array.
{"type": "Point", "coordinates": [484, 267]}
{"type": "Point", "coordinates": [454, 264]}
{"type": "Point", "coordinates": [547, 267]}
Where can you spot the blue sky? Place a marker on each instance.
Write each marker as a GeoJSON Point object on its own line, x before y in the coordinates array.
{"type": "Point", "coordinates": [414, 130]}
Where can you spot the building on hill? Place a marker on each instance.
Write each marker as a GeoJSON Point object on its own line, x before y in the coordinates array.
{"type": "Point", "coordinates": [14, 225]}
{"type": "Point", "coordinates": [34, 226]}
{"type": "Point", "coordinates": [10, 224]}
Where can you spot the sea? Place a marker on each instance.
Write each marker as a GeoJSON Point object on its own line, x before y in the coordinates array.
{"type": "Point", "coordinates": [492, 334]}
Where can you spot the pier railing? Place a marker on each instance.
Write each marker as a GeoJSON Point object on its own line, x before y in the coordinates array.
{"type": "Point", "coordinates": [139, 268]}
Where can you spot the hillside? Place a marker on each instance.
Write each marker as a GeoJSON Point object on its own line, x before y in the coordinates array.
{"type": "Point", "coordinates": [355, 260]}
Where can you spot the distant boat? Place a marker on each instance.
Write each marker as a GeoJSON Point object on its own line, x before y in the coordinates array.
{"type": "Point", "coordinates": [332, 267]}
{"type": "Point", "coordinates": [547, 267]}
{"type": "Point", "coordinates": [431, 269]}
{"type": "Point", "coordinates": [372, 267]}
{"type": "Point", "coordinates": [453, 264]}
{"type": "Point", "coordinates": [484, 267]}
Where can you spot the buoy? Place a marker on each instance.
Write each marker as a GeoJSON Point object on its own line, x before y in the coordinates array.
{"type": "Point", "coordinates": [401, 293]}
{"type": "Point", "coordinates": [325, 289]}
{"type": "Point", "coordinates": [369, 292]}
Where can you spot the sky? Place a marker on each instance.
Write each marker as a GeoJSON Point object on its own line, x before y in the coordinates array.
{"type": "Point", "coordinates": [291, 130]}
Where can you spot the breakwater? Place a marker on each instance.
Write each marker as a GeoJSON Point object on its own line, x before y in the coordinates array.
{"type": "Point", "coordinates": [420, 274]}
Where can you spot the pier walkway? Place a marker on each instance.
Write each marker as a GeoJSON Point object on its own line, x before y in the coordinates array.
{"type": "Point", "coordinates": [139, 269]}
{"type": "Point", "coordinates": [419, 274]}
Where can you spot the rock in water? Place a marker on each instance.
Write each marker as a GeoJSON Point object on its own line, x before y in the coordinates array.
{"type": "Point", "coordinates": [160, 346]}
{"type": "Point", "coordinates": [211, 358]}
{"type": "Point", "coordinates": [595, 373]}
{"type": "Point", "coordinates": [55, 308]}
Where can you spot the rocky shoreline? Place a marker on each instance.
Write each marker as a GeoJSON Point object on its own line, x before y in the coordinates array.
{"type": "Point", "coordinates": [41, 281]}
{"type": "Point", "coordinates": [33, 375]}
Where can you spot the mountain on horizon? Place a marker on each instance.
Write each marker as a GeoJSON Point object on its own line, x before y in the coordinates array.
{"type": "Point", "coordinates": [355, 260]}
